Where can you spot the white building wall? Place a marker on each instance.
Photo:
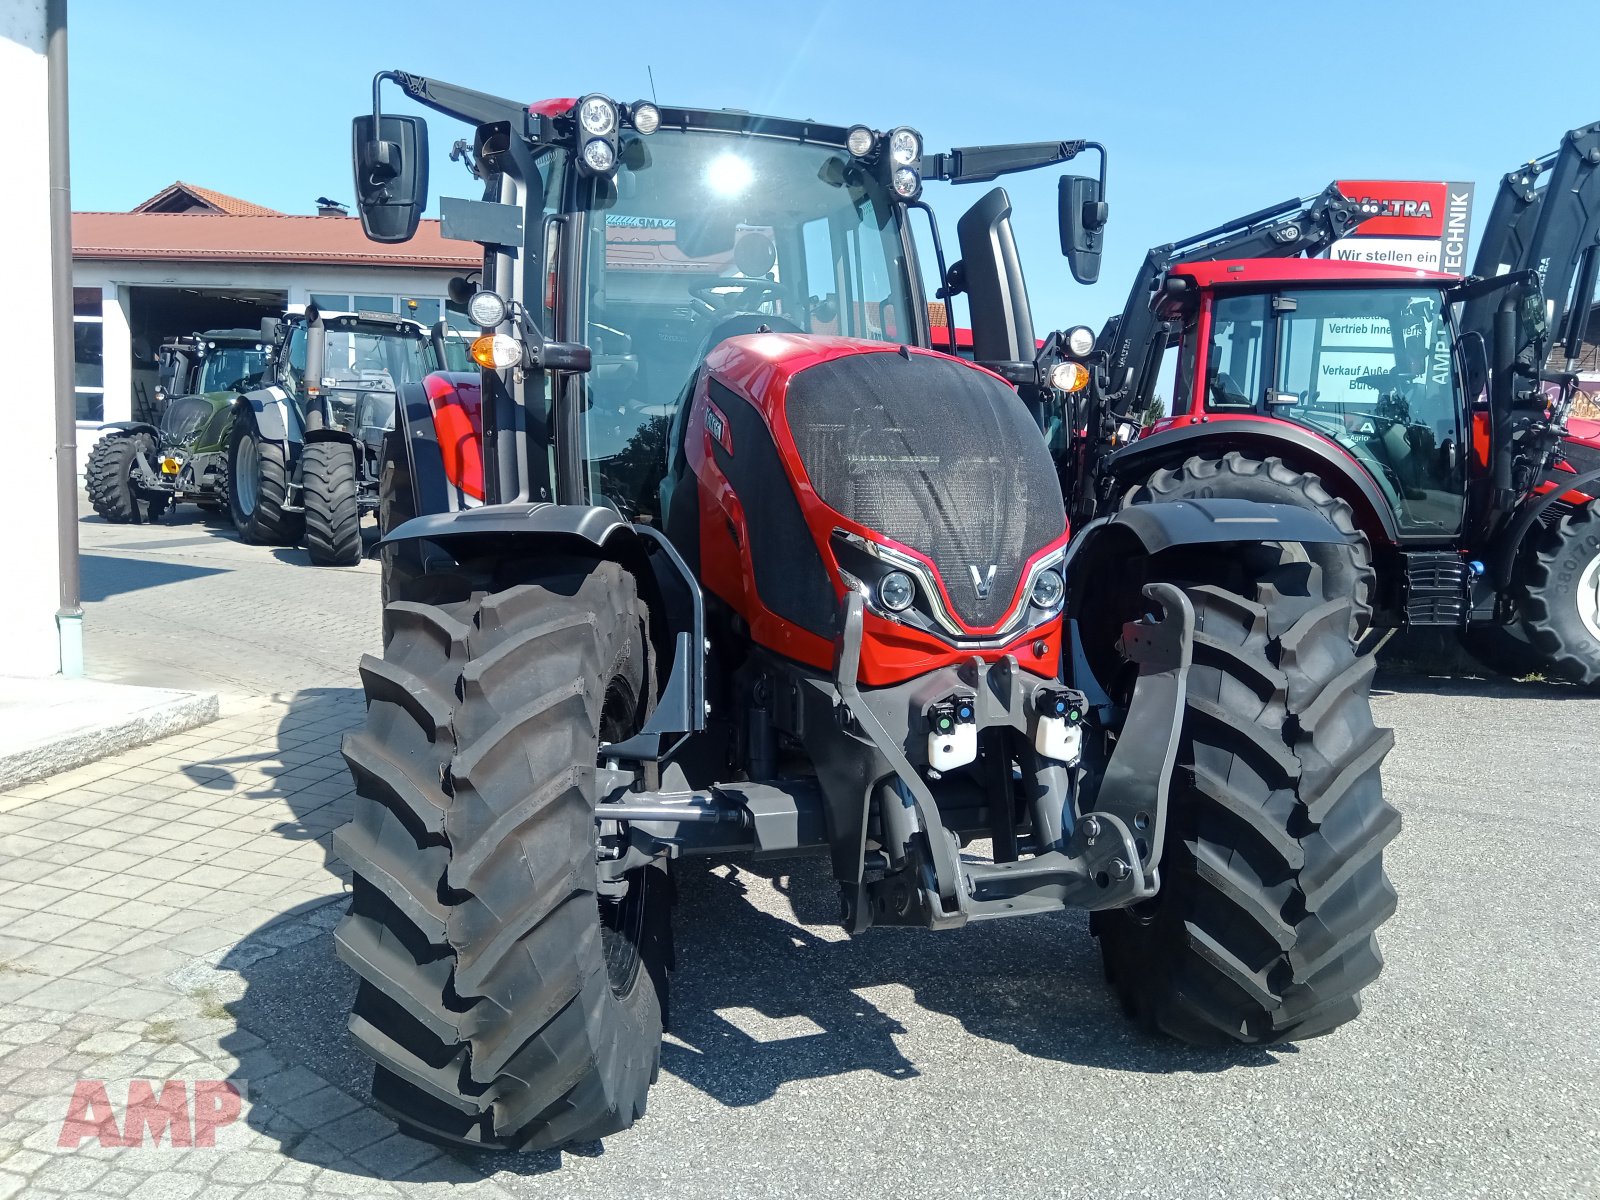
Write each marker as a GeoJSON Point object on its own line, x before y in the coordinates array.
{"type": "Point", "coordinates": [299, 281]}
{"type": "Point", "coordinates": [29, 643]}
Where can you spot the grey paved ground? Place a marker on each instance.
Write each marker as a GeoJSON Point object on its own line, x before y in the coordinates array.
{"type": "Point", "coordinates": [165, 914]}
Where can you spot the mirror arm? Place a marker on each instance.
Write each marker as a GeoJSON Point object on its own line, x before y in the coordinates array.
{"type": "Point", "coordinates": [464, 104]}
{"type": "Point", "coordinates": [980, 164]}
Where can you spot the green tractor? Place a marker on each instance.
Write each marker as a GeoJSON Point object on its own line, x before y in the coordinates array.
{"type": "Point", "coordinates": [303, 452]}
{"type": "Point", "coordinates": [182, 456]}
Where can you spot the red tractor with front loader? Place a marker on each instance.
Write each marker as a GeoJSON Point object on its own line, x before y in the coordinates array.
{"type": "Point", "coordinates": [1411, 407]}
{"type": "Point", "coordinates": [717, 555]}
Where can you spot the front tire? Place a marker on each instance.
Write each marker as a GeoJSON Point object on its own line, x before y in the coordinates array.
{"type": "Point", "coordinates": [258, 486]}
{"type": "Point", "coordinates": [333, 507]}
{"type": "Point", "coordinates": [108, 477]}
{"type": "Point", "coordinates": [1561, 604]}
{"type": "Point", "coordinates": [504, 1003]}
{"type": "Point", "coordinates": [1346, 568]}
{"type": "Point", "coordinates": [1272, 879]}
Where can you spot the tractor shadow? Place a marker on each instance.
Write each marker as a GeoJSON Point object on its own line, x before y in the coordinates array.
{"type": "Point", "coordinates": [767, 992]}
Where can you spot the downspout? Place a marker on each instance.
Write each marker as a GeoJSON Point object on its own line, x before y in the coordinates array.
{"type": "Point", "coordinates": [69, 616]}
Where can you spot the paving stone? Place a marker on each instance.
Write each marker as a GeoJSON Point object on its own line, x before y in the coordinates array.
{"type": "Point", "coordinates": [56, 960]}
{"type": "Point", "coordinates": [253, 1166]}
{"type": "Point", "coordinates": [43, 927]}
{"type": "Point", "coordinates": [72, 1175]}
{"type": "Point", "coordinates": [87, 905]}
{"type": "Point", "coordinates": [166, 1185]}
{"type": "Point", "coordinates": [359, 1129]}
{"type": "Point", "coordinates": [395, 1155]}
{"type": "Point", "coordinates": [325, 1106]}
{"type": "Point", "coordinates": [117, 1182]}
{"type": "Point", "coordinates": [11, 1185]}
{"type": "Point", "coordinates": [126, 886]}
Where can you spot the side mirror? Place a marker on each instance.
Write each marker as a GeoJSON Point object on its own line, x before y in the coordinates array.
{"type": "Point", "coordinates": [390, 154]}
{"type": "Point", "coordinates": [1002, 323]}
{"type": "Point", "coordinates": [269, 330]}
{"type": "Point", "coordinates": [1082, 215]}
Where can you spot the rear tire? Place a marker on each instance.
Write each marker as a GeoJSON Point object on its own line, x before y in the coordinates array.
{"type": "Point", "coordinates": [504, 1004]}
{"type": "Point", "coordinates": [258, 486]}
{"type": "Point", "coordinates": [1561, 604]}
{"type": "Point", "coordinates": [1272, 879]}
{"type": "Point", "coordinates": [108, 478]}
{"type": "Point", "coordinates": [333, 506]}
{"type": "Point", "coordinates": [1346, 569]}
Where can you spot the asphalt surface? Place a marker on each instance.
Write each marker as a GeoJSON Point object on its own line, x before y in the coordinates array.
{"type": "Point", "coordinates": [992, 1061]}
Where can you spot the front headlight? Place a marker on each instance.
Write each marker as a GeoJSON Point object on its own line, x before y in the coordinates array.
{"type": "Point", "coordinates": [906, 183]}
{"type": "Point", "coordinates": [860, 141]}
{"type": "Point", "coordinates": [1048, 589]}
{"type": "Point", "coordinates": [896, 591]}
{"type": "Point", "coordinates": [905, 148]}
{"type": "Point", "coordinates": [1080, 340]}
{"type": "Point", "coordinates": [597, 116]}
{"type": "Point", "coordinates": [598, 155]}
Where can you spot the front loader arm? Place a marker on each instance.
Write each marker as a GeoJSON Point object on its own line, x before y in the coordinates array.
{"type": "Point", "coordinates": [1552, 227]}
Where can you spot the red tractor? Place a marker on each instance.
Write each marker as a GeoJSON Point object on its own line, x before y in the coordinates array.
{"type": "Point", "coordinates": [734, 563]}
{"type": "Point", "coordinates": [1412, 407]}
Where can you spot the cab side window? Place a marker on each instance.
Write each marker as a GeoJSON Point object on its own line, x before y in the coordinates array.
{"type": "Point", "coordinates": [1236, 352]}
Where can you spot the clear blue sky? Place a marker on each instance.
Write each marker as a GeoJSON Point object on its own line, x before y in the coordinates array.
{"type": "Point", "coordinates": [1208, 109]}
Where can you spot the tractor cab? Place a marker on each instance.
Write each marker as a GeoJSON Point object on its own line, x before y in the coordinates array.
{"type": "Point", "coordinates": [343, 370]}
{"type": "Point", "coordinates": [1363, 358]}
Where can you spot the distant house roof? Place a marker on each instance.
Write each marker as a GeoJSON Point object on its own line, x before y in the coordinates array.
{"type": "Point", "coordinates": [183, 197]}
{"type": "Point", "coordinates": [271, 238]}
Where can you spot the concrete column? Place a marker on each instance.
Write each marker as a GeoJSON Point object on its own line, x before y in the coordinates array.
{"type": "Point", "coordinates": [29, 644]}
{"type": "Point", "coordinates": [114, 300]}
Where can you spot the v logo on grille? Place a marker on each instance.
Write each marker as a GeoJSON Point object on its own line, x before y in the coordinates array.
{"type": "Point", "coordinates": [982, 583]}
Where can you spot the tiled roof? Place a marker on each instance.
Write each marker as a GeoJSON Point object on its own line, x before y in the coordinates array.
{"type": "Point", "coordinates": [189, 197]}
{"type": "Point", "coordinates": [215, 237]}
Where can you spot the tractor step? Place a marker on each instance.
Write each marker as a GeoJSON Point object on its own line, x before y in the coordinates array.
{"type": "Point", "coordinates": [1437, 588]}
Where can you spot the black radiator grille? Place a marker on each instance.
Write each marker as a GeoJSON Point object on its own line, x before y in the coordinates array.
{"type": "Point", "coordinates": [937, 456]}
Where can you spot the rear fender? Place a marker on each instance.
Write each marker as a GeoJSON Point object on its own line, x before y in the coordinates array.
{"type": "Point", "coordinates": [1300, 449]}
{"type": "Point", "coordinates": [276, 419]}
{"type": "Point", "coordinates": [491, 534]}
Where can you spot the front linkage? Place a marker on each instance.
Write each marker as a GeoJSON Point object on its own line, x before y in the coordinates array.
{"type": "Point", "coordinates": [908, 869]}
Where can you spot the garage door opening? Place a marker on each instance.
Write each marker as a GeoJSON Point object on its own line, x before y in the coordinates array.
{"type": "Point", "coordinates": [156, 314]}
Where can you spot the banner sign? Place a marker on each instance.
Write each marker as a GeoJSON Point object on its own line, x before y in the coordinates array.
{"type": "Point", "coordinates": [1419, 224]}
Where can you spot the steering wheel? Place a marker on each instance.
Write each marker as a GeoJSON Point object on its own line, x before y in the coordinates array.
{"type": "Point", "coordinates": [720, 302]}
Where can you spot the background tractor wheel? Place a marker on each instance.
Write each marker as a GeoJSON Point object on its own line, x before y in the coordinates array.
{"type": "Point", "coordinates": [1272, 880]}
{"type": "Point", "coordinates": [506, 1003]}
{"type": "Point", "coordinates": [109, 476]}
{"type": "Point", "coordinates": [258, 486]}
{"type": "Point", "coordinates": [333, 512]}
{"type": "Point", "coordinates": [1346, 570]}
{"type": "Point", "coordinates": [1561, 604]}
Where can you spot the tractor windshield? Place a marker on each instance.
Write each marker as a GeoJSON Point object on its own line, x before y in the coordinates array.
{"type": "Point", "coordinates": [232, 368]}
{"type": "Point", "coordinates": [1371, 369]}
{"type": "Point", "coordinates": [707, 236]}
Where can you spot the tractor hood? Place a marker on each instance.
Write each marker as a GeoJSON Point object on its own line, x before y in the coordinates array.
{"type": "Point", "coordinates": [835, 461]}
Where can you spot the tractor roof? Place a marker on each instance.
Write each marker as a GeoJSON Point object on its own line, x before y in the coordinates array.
{"type": "Point", "coordinates": [1225, 272]}
{"type": "Point", "coordinates": [720, 120]}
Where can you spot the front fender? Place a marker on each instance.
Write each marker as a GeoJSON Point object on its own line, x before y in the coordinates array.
{"type": "Point", "coordinates": [1260, 437]}
{"type": "Point", "coordinates": [126, 427]}
{"type": "Point", "coordinates": [498, 535]}
{"type": "Point", "coordinates": [276, 419]}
